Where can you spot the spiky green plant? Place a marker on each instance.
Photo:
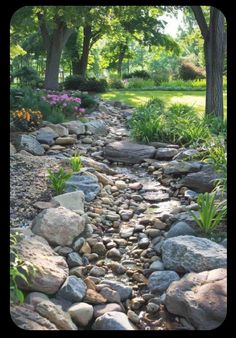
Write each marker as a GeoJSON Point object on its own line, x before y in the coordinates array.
{"type": "Point", "coordinates": [57, 180]}
{"type": "Point", "coordinates": [76, 163]}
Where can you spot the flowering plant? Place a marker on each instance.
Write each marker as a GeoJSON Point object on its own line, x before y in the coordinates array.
{"type": "Point", "coordinates": [26, 119]}
{"type": "Point", "coordinates": [67, 104]}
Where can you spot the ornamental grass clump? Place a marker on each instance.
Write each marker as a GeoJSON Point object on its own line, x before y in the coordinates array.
{"type": "Point", "coordinates": [57, 180]}
{"type": "Point", "coordinates": [211, 212]}
{"type": "Point", "coordinates": [76, 163]}
{"type": "Point", "coordinates": [26, 119]}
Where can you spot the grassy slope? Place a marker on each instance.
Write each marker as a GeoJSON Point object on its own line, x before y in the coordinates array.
{"type": "Point", "coordinates": [136, 98]}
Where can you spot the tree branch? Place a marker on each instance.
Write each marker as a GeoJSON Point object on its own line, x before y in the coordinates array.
{"type": "Point", "coordinates": [199, 16]}
{"type": "Point", "coordinates": [44, 31]}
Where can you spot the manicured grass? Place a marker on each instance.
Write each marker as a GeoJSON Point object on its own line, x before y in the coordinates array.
{"type": "Point", "coordinates": [137, 98]}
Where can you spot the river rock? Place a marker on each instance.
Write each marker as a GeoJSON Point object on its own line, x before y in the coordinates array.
{"type": "Point", "coordinates": [29, 144]}
{"type": "Point", "coordinates": [60, 226]}
{"type": "Point", "coordinates": [50, 269]}
{"type": "Point", "coordinates": [165, 153]}
{"type": "Point", "coordinates": [127, 152]}
{"type": "Point", "coordinates": [113, 321]}
{"type": "Point", "coordinates": [201, 298]}
{"type": "Point", "coordinates": [124, 290]}
{"type": "Point", "coordinates": [46, 135]}
{"type": "Point", "coordinates": [81, 313]}
{"type": "Point", "coordinates": [159, 281]}
{"type": "Point", "coordinates": [100, 310]}
{"type": "Point", "coordinates": [179, 229]}
{"type": "Point", "coordinates": [27, 319]}
{"type": "Point", "coordinates": [56, 315]}
{"type": "Point", "coordinates": [33, 298]}
{"type": "Point", "coordinates": [74, 259]}
{"type": "Point", "coordinates": [75, 127]}
{"type": "Point", "coordinates": [97, 271]}
{"type": "Point", "coordinates": [98, 166]}
{"type": "Point", "coordinates": [71, 200]}
{"type": "Point", "coordinates": [97, 127]}
{"type": "Point", "coordinates": [202, 181]}
{"type": "Point", "coordinates": [181, 167]}
{"type": "Point", "coordinates": [59, 129]}
{"type": "Point", "coordinates": [73, 289]}
{"type": "Point", "coordinates": [189, 253]}
{"type": "Point", "coordinates": [85, 182]}
{"type": "Point", "coordinates": [65, 140]}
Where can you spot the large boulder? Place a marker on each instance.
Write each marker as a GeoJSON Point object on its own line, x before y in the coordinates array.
{"type": "Point", "coordinates": [165, 153]}
{"type": "Point", "coordinates": [55, 315]}
{"type": "Point", "coordinates": [201, 181]}
{"type": "Point", "coordinates": [30, 144]}
{"type": "Point", "coordinates": [96, 127]}
{"type": "Point", "coordinates": [179, 229]}
{"type": "Point", "coordinates": [51, 270]}
{"type": "Point", "coordinates": [189, 253]}
{"type": "Point", "coordinates": [75, 127]}
{"type": "Point", "coordinates": [127, 152]}
{"type": "Point", "coordinates": [60, 226]}
{"type": "Point", "coordinates": [71, 200]}
{"type": "Point", "coordinates": [113, 321]}
{"type": "Point", "coordinates": [86, 182]}
{"type": "Point", "coordinates": [26, 318]}
{"type": "Point", "coordinates": [199, 297]}
{"type": "Point", "coordinates": [181, 167]}
{"type": "Point", "coordinates": [159, 281]}
{"type": "Point", "coordinates": [59, 129]}
{"type": "Point", "coordinates": [46, 135]}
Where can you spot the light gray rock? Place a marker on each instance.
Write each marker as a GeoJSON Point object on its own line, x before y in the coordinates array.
{"type": "Point", "coordinates": [46, 135]}
{"type": "Point", "coordinates": [100, 310]}
{"type": "Point", "coordinates": [81, 313]}
{"type": "Point", "coordinates": [51, 270]}
{"type": "Point", "coordinates": [85, 182]}
{"type": "Point", "coordinates": [157, 266]}
{"type": "Point", "coordinates": [59, 129]}
{"type": "Point", "coordinates": [179, 229]}
{"type": "Point", "coordinates": [201, 298]}
{"type": "Point", "coordinates": [71, 200]}
{"type": "Point", "coordinates": [143, 243]}
{"type": "Point", "coordinates": [59, 226]}
{"type": "Point", "coordinates": [98, 166]}
{"type": "Point", "coordinates": [33, 298]}
{"type": "Point", "coordinates": [165, 153]}
{"type": "Point", "coordinates": [202, 181]}
{"type": "Point", "coordinates": [181, 167]}
{"type": "Point", "coordinates": [124, 290]}
{"type": "Point", "coordinates": [29, 144]}
{"type": "Point", "coordinates": [56, 315]}
{"type": "Point", "coordinates": [97, 271]}
{"type": "Point", "coordinates": [189, 253]}
{"type": "Point", "coordinates": [113, 321]}
{"type": "Point", "coordinates": [73, 289]}
{"type": "Point", "coordinates": [78, 244]}
{"type": "Point", "coordinates": [97, 127]}
{"type": "Point", "coordinates": [123, 151]}
{"type": "Point", "coordinates": [159, 281]}
{"type": "Point", "coordinates": [12, 149]}
{"type": "Point", "coordinates": [99, 248]}
{"type": "Point", "coordinates": [75, 127]}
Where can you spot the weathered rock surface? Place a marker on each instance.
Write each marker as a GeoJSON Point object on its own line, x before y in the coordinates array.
{"type": "Point", "coordinates": [51, 269]}
{"type": "Point", "coordinates": [65, 140]}
{"type": "Point", "coordinates": [181, 167]}
{"type": "Point", "coordinates": [59, 129]}
{"type": "Point", "coordinates": [56, 315]}
{"type": "Point", "coordinates": [74, 289]}
{"type": "Point", "coordinates": [99, 166]}
{"type": "Point", "coordinates": [159, 281]}
{"type": "Point", "coordinates": [180, 229]}
{"type": "Point", "coordinates": [81, 313]}
{"type": "Point", "coordinates": [113, 321]}
{"type": "Point", "coordinates": [127, 152]}
{"type": "Point", "coordinates": [165, 153]}
{"type": "Point", "coordinates": [75, 127]}
{"type": "Point", "coordinates": [71, 200]}
{"type": "Point", "coordinates": [97, 127]}
{"type": "Point", "coordinates": [189, 253]}
{"type": "Point", "coordinates": [46, 135]}
{"type": "Point", "coordinates": [87, 183]}
{"type": "Point", "coordinates": [27, 319]}
{"type": "Point", "coordinates": [59, 226]}
{"type": "Point", "coordinates": [33, 298]}
{"type": "Point", "coordinates": [30, 144]}
{"type": "Point", "coordinates": [202, 181]}
{"type": "Point", "coordinates": [199, 297]}
{"type": "Point", "coordinates": [124, 290]}
{"type": "Point", "coordinates": [100, 310]}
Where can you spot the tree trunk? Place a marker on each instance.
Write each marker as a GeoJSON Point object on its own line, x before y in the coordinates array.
{"type": "Point", "coordinates": [214, 49]}
{"type": "Point", "coordinates": [83, 62]}
{"type": "Point", "coordinates": [120, 59]}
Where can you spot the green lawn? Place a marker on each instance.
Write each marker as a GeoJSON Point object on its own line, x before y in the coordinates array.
{"type": "Point", "coordinates": [137, 98]}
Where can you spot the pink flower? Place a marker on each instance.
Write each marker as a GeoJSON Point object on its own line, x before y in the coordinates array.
{"type": "Point", "coordinates": [82, 110]}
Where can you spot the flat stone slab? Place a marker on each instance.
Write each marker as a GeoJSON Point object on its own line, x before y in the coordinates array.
{"type": "Point", "coordinates": [190, 253]}
{"type": "Point", "coordinates": [127, 152]}
{"type": "Point", "coordinates": [201, 298]}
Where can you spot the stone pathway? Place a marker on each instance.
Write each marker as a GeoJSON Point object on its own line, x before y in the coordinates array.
{"type": "Point", "coordinates": [119, 249]}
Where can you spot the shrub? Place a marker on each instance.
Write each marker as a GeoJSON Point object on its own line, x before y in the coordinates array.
{"type": "Point", "coordinates": [211, 213]}
{"type": "Point", "coordinates": [76, 82]}
{"type": "Point", "coordinates": [137, 73]}
{"type": "Point", "coordinates": [116, 84]}
{"type": "Point", "coordinates": [87, 101]}
{"type": "Point", "coordinates": [57, 180]}
{"type": "Point", "coordinates": [26, 119]}
{"type": "Point", "coordinates": [28, 77]}
{"type": "Point", "coordinates": [189, 71]}
{"type": "Point", "coordinates": [198, 84]}
{"type": "Point", "coordinates": [97, 86]}
{"type": "Point", "coordinates": [139, 83]}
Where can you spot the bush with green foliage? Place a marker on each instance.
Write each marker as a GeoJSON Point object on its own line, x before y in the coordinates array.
{"type": "Point", "coordinates": [116, 84]}
{"type": "Point", "coordinates": [28, 77]}
{"type": "Point", "coordinates": [87, 101]}
{"type": "Point", "coordinates": [57, 180]}
{"type": "Point", "coordinates": [19, 269]}
{"type": "Point", "coordinates": [142, 74]}
{"type": "Point", "coordinates": [211, 212]}
{"type": "Point", "coordinates": [76, 82]}
{"type": "Point", "coordinates": [189, 71]}
{"type": "Point", "coordinates": [138, 83]}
